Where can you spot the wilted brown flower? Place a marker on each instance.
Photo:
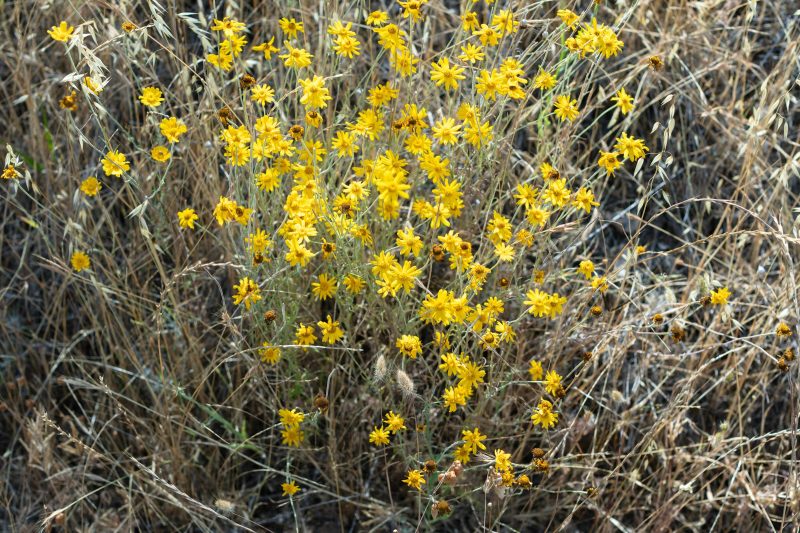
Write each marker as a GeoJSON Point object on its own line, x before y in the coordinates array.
{"type": "Point", "coordinates": [69, 102]}
{"type": "Point", "coordinates": [296, 132]}
{"type": "Point", "coordinates": [321, 402]}
{"type": "Point", "coordinates": [225, 115]}
{"type": "Point", "coordinates": [783, 330]}
{"type": "Point", "coordinates": [677, 332]}
{"type": "Point", "coordinates": [655, 63]}
{"type": "Point", "coordinates": [441, 507]}
{"type": "Point", "coordinates": [247, 81]}
{"type": "Point", "coordinates": [788, 354]}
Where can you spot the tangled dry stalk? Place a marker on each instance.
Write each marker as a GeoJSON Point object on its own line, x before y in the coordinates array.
{"type": "Point", "coordinates": [134, 397]}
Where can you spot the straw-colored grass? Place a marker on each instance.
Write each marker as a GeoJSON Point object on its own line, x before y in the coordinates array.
{"type": "Point", "coordinates": [134, 397]}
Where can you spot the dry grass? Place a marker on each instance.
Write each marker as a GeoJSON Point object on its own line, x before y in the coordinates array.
{"type": "Point", "coordinates": [133, 395]}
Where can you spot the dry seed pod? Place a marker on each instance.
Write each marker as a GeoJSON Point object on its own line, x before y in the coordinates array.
{"type": "Point", "coordinates": [450, 477]}
{"type": "Point", "coordinates": [494, 483]}
{"type": "Point", "coordinates": [447, 478]}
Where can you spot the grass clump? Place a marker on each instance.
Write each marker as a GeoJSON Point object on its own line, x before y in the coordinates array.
{"type": "Point", "coordinates": [350, 266]}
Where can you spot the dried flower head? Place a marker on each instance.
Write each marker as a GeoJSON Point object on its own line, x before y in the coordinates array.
{"type": "Point", "coordinates": [430, 466]}
{"type": "Point", "coordinates": [246, 81]}
{"type": "Point", "coordinates": [321, 402]}
{"type": "Point", "coordinates": [783, 330]}
{"type": "Point", "coordinates": [69, 102]}
{"type": "Point", "coordinates": [225, 115]}
{"type": "Point", "coordinates": [655, 63]}
{"type": "Point", "coordinates": [440, 507]}
{"type": "Point", "coordinates": [677, 332]}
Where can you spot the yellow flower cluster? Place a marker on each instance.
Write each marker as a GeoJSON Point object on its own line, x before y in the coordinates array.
{"type": "Point", "coordinates": [542, 304]}
{"type": "Point", "coordinates": [591, 38]}
{"type": "Point", "coordinates": [231, 46]}
{"type": "Point", "coordinates": [393, 423]}
{"type": "Point", "coordinates": [291, 434]}
{"type": "Point", "coordinates": [469, 375]}
{"type": "Point", "coordinates": [379, 192]}
{"type": "Point", "coordinates": [247, 292]}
